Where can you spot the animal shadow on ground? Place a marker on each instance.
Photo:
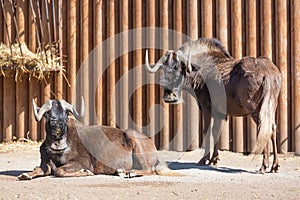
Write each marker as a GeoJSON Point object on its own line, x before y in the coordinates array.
{"type": "Point", "coordinates": [12, 172]}
{"type": "Point", "coordinates": [180, 166]}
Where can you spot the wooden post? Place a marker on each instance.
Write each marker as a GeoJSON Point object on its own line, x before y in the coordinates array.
{"type": "Point", "coordinates": [296, 73]}
{"type": "Point", "coordinates": [46, 86]}
{"type": "Point", "coordinates": [193, 109]}
{"type": "Point", "coordinates": [124, 114]}
{"type": "Point", "coordinates": [137, 63]}
{"type": "Point", "coordinates": [178, 112]}
{"type": "Point", "coordinates": [266, 30]}
{"type": "Point", "coordinates": [281, 62]}
{"type": "Point", "coordinates": [251, 46]}
{"type": "Point", "coordinates": [84, 42]}
{"type": "Point", "coordinates": [1, 83]}
{"type": "Point", "coordinates": [60, 5]}
{"type": "Point", "coordinates": [72, 46]}
{"type": "Point", "coordinates": [21, 84]}
{"type": "Point", "coordinates": [222, 35]}
{"type": "Point", "coordinates": [150, 76]}
{"type": "Point", "coordinates": [207, 18]}
{"type": "Point", "coordinates": [98, 59]}
{"type": "Point", "coordinates": [111, 118]}
{"type": "Point", "coordinates": [165, 131]}
{"type": "Point", "coordinates": [236, 14]}
{"type": "Point", "coordinates": [9, 85]}
{"type": "Point", "coordinates": [34, 84]}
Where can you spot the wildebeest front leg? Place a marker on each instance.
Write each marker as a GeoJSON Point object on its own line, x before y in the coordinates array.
{"type": "Point", "coordinates": [43, 170]}
{"type": "Point", "coordinates": [207, 132]}
{"type": "Point", "coordinates": [73, 169]}
{"type": "Point", "coordinates": [216, 131]}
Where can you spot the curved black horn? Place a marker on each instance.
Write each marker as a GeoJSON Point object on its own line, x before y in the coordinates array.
{"type": "Point", "coordinates": [39, 112]}
{"type": "Point", "coordinates": [71, 108]}
{"type": "Point", "coordinates": [156, 66]}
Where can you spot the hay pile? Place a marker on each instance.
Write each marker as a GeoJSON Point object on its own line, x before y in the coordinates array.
{"type": "Point", "coordinates": [20, 60]}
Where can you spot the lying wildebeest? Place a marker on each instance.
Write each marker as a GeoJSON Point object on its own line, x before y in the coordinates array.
{"type": "Point", "coordinates": [250, 85]}
{"type": "Point", "coordinates": [74, 149]}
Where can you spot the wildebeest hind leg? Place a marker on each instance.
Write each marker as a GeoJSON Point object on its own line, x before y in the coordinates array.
{"type": "Point", "coordinates": [275, 164]}
{"type": "Point", "coordinates": [265, 163]}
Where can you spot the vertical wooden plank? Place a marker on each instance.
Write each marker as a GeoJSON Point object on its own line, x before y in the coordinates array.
{"type": "Point", "coordinates": [236, 14]}
{"type": "Point", "coordinates": [111, 117]}
{"type": "Point", "coordinates": [45, 87]}
{"type": "Point", "coordinates": [207, 18]}
{"type": "Point", "coordinates": [60, 18]}
{"type": "Point", "coordinates": [137, 97]}
{"type": "Point", "coordinates": [193, 109]}
{"type": "Point", "coordinates": [251, 46]}
{"type": "Point", "coordinates": [84, 38]}
{"type": "Point", "coordinates": [266, 30]}
{"type": "Point", "coordinates": [222, 35]}
{"type": "Point", "coordinates": [72, 47]}
{"type": "Point", "coordinates": [34, 84]}
{"type": "Point", "coordinates": [9, 85]}
{"type": "Point", "coordinates": [1, 82]}
{"type": "Point", "coordinates": [124, 67]}
{"type": "Point", "coordinates": [98, 58]}
{"type": "Point", "coordinates": [21, 84]}
{"type": "Point", "coordinates": [1, 106]}
{"type": "Point", "coordinates": [281, 62]}
{"type": "Point", "coordinates": [178, 112]}
{"type": "Point", "coordinates": [165, 131]}
{"type": "Point", "coordinates": [296, 73]}
{"type": "Point", "coordinates": [150, 76]}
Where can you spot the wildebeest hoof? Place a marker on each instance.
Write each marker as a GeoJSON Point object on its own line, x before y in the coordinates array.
{"type": "Point", "coordinates": [121, 172]}
{"type": "Point", "coordinates": [24, 176]}
{"type": "Point", "coordinates": [274, 168]}
{"type": "Point", "coordinates": [214, 161]}
{"type": "Point", "coordinates": [203, 162]}
{"type": "Point", "coordinates": [262, 170]}
{"type": "Point", "coordinates": [88, 172]}
{"type": "Point", "coordinates": [130, 175]}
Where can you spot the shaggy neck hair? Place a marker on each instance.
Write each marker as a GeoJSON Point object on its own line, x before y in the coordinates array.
{"type": "Point", "coordinates": [210, 61]}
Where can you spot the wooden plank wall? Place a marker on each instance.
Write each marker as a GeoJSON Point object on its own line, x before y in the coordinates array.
{"type": "Point", "coordinates": [246, 27]}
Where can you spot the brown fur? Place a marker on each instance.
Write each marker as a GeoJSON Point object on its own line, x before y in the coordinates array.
{"type": "Point", "coordinates": [252, 86]}
{"type": "Point", "coordinates": [99, 150]}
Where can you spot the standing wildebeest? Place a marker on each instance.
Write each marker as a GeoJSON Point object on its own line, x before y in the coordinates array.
{"type": "Point", "coordinates": [74, 149]}
{"type": "Point", "coordinates": [250, 85]}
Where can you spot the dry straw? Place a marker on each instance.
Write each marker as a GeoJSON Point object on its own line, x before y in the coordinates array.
{"type": "Point", "coordinates": [18, 60]}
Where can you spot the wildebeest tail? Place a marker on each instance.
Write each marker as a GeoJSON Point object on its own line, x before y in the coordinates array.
{"type": "Point", "coordinates": [266, 117]}
{"type": "Point", "coordinates": [161, 168]}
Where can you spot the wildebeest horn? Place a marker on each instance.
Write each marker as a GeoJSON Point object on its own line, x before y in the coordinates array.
{"type": "Point", "coordinates": [71, 108]}
{"type": "Point", "coordinates": [186, 60]}
{"type": "Point", "coordinates": [189, 66]}
{"type": "Point", "coordinates": [39, 112]}
{"type": "Point", "coordinates": [156, 66]}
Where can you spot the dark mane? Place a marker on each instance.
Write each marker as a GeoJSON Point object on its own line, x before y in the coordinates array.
{"type": "Point", "coordinates": [210, 61]}
{"type": "Point", "coordinates": [205, 45]}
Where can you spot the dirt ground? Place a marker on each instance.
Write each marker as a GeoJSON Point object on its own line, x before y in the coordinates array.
{"type": "Point", "coordinates": [235, 177]}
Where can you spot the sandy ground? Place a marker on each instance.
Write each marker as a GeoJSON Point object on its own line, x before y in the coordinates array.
{"type": "Point", "coordinates": [235, 177]}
